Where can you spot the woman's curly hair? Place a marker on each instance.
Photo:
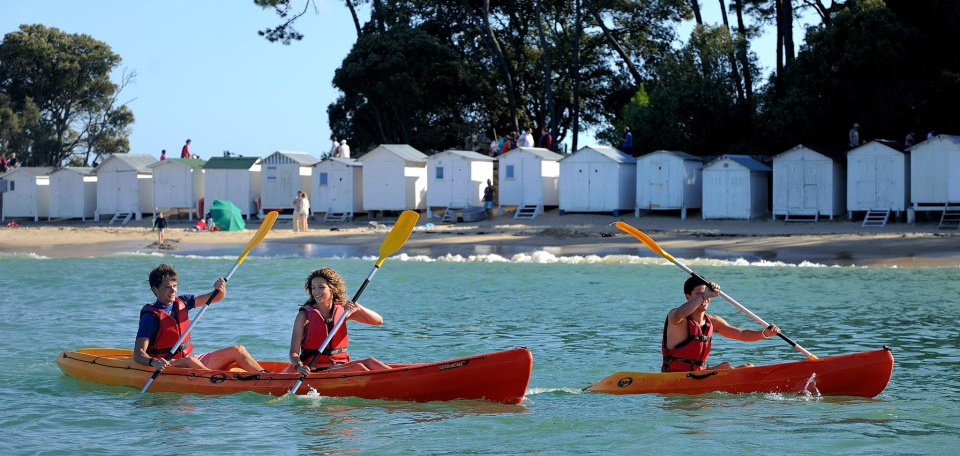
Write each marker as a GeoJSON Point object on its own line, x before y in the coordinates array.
{"type": "Point", "coordinates": [337, 287]}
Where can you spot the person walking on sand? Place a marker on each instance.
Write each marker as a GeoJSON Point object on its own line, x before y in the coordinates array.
{"type": "Point", "coordinates": [297, 204]}
{"type": "Point", "coordinates": [163, 321]}
{"type": "Point", "coordinates": [304, 211]}
{"type": "Point", "coordinates": [488, 199]}
{"type": "Point", "coordinates": [161, 225]}
{"type": "Point", "coordinates": [688, 330]}
{"type": "Point", "coordinates": [185, 152]}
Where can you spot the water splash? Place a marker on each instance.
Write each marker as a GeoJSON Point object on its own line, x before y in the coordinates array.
{"type": "Point", "coordinates": [810, 389]}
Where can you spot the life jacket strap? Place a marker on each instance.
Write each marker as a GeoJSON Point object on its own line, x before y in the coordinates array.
{"type": "Point", "coordinates": [671, 359]}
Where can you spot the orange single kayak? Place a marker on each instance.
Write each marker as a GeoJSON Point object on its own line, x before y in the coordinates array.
{"type": "Point", "coordinates": [863, 374]}
{"type": "Point", "coordinates": [498, 377]}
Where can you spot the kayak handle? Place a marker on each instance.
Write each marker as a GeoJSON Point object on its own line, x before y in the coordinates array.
{"type": "Point", "coordinates": [701, 376]}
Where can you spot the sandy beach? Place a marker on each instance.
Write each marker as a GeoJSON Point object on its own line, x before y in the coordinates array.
{"type": "Point", "coordinates": [826, 242]}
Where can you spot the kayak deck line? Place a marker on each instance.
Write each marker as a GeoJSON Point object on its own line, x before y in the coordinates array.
{"type": "Point", "coordinates": [864, 374]}
{"type": "Point", "coordinates": [498, 377]}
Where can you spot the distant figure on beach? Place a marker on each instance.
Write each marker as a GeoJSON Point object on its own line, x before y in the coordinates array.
{"type": "Point", "coordinates": [546, 140]}
{"type": "Point", "coordinates": [493, 145]}
{"type": "Point", "coordinates": [334, 146]}
{"type": "Point", "coordinates": [627, 144]}
{"type": "Point", "coordinates": [854, 135]}
{"type": "Point", "coordinates": [201, 225]}
{"type": "Point", "coordinates": [163, 154]}
{"type": "Point", "coordinates": [344, 150]}
{"type": "Point", "coordinates": [688, 330]}
{"type": "Point", "coordinates": [12, 161]}
{"type": "Point", "coordinates": [488, 199]}
{"type": "Point", "coordinates": [317, 316]}
{"type": "Point", "coordinates": [526, 138]}
{"type": "Point", "coordinates": [931, 134]}
{"type": "Point", "coordinates": [909, 140]}
{"type": "Point", "coordinates": [185, 152]}
{"type": "Point", "coordinates": [297, 204]}
{"type": "Point", "coordinates": [161, 225]}
{"type": "Point", "coordinates": [163, 321]}
{"type": "Point", "coordinates": [3, 163]}
{"type": "Point", "coordinates": [304, 211]}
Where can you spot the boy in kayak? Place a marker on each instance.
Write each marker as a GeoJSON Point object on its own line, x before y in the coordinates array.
{"type": "Point", "coordinates": [162, 323]}
{"type": "Point", "coordinates": [317, 317]}
{"type": "Point", "coordinates": [688, 330]}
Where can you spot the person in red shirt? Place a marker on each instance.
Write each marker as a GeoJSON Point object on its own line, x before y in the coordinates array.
{"type": "Point", "coordinates": [185, 152]}
{"type": "Point", "coordinates": [163, 154]}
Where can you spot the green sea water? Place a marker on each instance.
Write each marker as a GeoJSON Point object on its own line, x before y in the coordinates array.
{"type": "Point", "coordinates": [582, 318]}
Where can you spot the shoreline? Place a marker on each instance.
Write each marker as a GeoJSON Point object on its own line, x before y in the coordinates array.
{"type": "Point", "coordinates": [831, 243]}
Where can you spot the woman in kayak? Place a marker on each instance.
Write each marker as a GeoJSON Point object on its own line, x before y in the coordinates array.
{"type": "Point", "coordinates": [317, 317]}
{"type": "Point", "coordinates": [688, 330]}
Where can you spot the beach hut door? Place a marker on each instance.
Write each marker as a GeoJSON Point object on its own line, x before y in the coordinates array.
{"type": "Point", "coordinates": [67, 200]}
{"type": "Point", "coordinates": [531, 184]}
{"type": "Point", "coordinates": [659, 190]}
{"type": "Point", "coordinates": [128, 192]}
{"type": "Point", "coordinates": [596, 186]}
{"type": "Point", "coordinates": [870, 188]}
{"type": "Point", "coordinates": [581, 186]}
{"type": "Point", "coordinates": [801, 187]}
{"type": "Point", "coordinates": [340, 194]}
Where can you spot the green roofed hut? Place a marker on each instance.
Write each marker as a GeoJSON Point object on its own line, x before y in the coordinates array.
{"type": "Point", "coordinates": [178, 184]}
{"type": "Point", "coordinates": [236, 179]}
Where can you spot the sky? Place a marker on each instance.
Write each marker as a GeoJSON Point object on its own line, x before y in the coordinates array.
{"type": "Point", "coordinates": [203, 73]}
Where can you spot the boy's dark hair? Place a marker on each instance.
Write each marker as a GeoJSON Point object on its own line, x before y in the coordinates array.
{"type": "Point", "coordinates": [158, 274]}
{"type": "Point", "coordinates": [691, 283]}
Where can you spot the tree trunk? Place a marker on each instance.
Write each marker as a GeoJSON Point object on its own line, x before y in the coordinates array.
{"type": "Point", "coordinates": [779, 16]}
{"type": "Point", "coordinates": [547, 73]}
{"type": "Point", "coordinates": [742, 51]}
{"type": "Point", "coordinates": [502, 62]}
{"type": "Point", "coordinates": [734, 72]}
{"type": "Point", "coordinates": [616, 45]}
{"type": "Point", "coordinates": [576, 76]}
{"type": "Point", "coordinates": [356, 20]}
{"type": "Point", "coordinates": [790, 52]}
{"type": "Point", "coordinates": [696, 11]}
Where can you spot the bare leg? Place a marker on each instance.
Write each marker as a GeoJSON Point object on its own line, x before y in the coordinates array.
{"type": "Point", "coordinates": [221, 359]}
{"type": "Point", "coordinates": [303, 223]}
{"type": "Point", "coordinates": [190, 362]}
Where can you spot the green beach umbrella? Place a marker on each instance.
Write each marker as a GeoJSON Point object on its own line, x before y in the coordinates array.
{"type": "Point", "coordinates": [227, 216]}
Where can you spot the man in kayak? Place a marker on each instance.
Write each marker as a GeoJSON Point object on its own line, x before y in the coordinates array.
{"type": "Point", "coordinates": [688, 330]}
{"type": "Point", "coordinates": [162, 323]}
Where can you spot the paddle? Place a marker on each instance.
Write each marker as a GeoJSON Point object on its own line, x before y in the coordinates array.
{"type": "Point", "coordinates": [656, 248]}
{"type": "Point", "coordinates": [261, 233]}
{"type": "Point", "coordinates": [395, 239]}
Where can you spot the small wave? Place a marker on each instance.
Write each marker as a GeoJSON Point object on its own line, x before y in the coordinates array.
{"type": "Point", "coordinates": [535, 391]}
{"type": "Point", "coordinates": [544, 257]}
{"type": "Point", "coordinates": [26, 255]}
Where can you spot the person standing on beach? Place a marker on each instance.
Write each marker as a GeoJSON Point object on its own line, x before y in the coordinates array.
{"type": "Point", "coordinates": [185, 152]}
{"type": "Point", "coordinates": [546, 141]}
{"type": "Point", "coordinates": [334, 145]}
{"type": "Point", "coordinates": [163, 321]}
{"type": "Point", "coordinates": [297, 204]}
{"type": "Point", "coordinates": [688, 330]}
{"type": "Point", "coordinates": [304, 211]}
{"type": "Point", "coordinates": [161, 225]}
{"type": "Point", "coordinates": [488, 199]}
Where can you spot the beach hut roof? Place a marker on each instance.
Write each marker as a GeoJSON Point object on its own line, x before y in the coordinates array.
{"type": "Point", "coordinates": [682, 155]}
{"type": "Point", "coordinates": [608, 152]}
{"type": "Point", "coordinates": [542, 153]}
{"type": "Point", "coordinates": [743, 160]}
{"type": "Point", "coordinates": [33, 170]}
{"type": "Point", "coordinates": [82, 170]}
{"type": "Point", "coordinates": [404, 151]}
{"type": "Point", "coordinates": [950, 138]}
{"type": "Point", "coordinates": [188, 162]}
{"type": "Point", "coordinates": [141, 163]}
{"type": "Point", "coordinates": [468, 155]}
{"type": "Point", "coordinates": [818, 150]}
{"type": "Point", "coordinates": [886, 142]}
{"type": "Point", "coordinates": [345, 161]}
{"type": "Point", "coordinates": [303, 158]}
{"type": "Point", "coordinates": [231, 162]}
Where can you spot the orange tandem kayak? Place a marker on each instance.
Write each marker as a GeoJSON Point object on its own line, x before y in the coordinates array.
{"type": "Point", "coordinates": [859, 374]}
{"type": "Point", "coordinates": [498, 377]}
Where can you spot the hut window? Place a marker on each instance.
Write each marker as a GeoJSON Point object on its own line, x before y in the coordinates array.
{"type": "Point", "coordinates": [271, 178]}
{"type": "Point", "coordinates": [439, 173]}
{"type": "Point", "coordinates": [13, 186]}
{"type": "Point", "coordinates": [509, 171]}
{"type": "Point", "coordinates": [323, 179]}
{"type": "Point", "coordinates": [271, 167]}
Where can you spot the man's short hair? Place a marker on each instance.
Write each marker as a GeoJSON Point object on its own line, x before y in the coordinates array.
{"type": "Point", "coordinates": [692, 283]}
{"type": "Point", "coordinates": [158, 274]}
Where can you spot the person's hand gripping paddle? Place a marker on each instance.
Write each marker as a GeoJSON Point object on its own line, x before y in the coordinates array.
{"type": "Point", "coordinates": [647, 241]}
{"type": "Point", "coordinates": [265, 227]}
{"type": "Point", "coordinates": [395, 239]}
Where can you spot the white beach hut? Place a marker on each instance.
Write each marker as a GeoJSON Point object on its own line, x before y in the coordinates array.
{"type": "Point", "coordinates": [735, 187]}
{"type": "Point", "coordinates": [236, 179]}
{"type": "Point", "coordinates": [394, 178]}
{"type": "Point", "coordinates": [73, 193]}
{"type": "Point", "coordinates": [282, 175]}
{"type": "Point", "coordinates": [935, 178]}
{"type": "Point", "coordinates": [807, 185]}
{"type": "Point", "coordinates": [598, 179]}
{"type": "Point", "coordinates": [28, 192]}
{"type": "Point", "coordinates": [457, 179]}
{"type": "Point", "coordinates": [529, 178]}
{"type": "Point", "coordinates": [878, 181]}
{"type": "Point", "coordinates": [178, 184]}
{"type": "Point", "coordinates": [125, 187]}
{"type": "Point", "coordinates": [668, 180]}
{"type": "Point", "coordinates": [337, 189]}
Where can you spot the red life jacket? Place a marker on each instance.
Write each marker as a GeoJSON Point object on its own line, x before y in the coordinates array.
{"type": "Point", "coordinates": [692, 353]}
{"type": "Point", "coordinates": [169, 331]}
{"type": "Point", "coordinates": [317, 331]}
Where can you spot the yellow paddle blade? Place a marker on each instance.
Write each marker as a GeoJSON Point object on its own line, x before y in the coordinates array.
{"type": "Point", "coordinates": [644, 239]}
{"type": "Point", "coordinates": [398, 235]}
{"type": "Point", "coordinates": [265, 227]}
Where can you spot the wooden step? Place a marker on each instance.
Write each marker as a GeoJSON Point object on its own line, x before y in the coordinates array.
{"type": "Point", "coordinates": [337, 217]}
{"type": "Point", "coordinates": [876, 218]}
{"type": "Point", "coordinates": [950, 218]}
{"type": "Point", "coordinates": [815, 217]}
{"type": "Point", "coordinates": [529, 212]}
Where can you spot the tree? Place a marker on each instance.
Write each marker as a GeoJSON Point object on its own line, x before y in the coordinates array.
{"type": "Point", "coordinates": [57, 85]}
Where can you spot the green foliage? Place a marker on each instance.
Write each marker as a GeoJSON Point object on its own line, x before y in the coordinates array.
{"type": "Point", "coordinates": [56, 96]}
